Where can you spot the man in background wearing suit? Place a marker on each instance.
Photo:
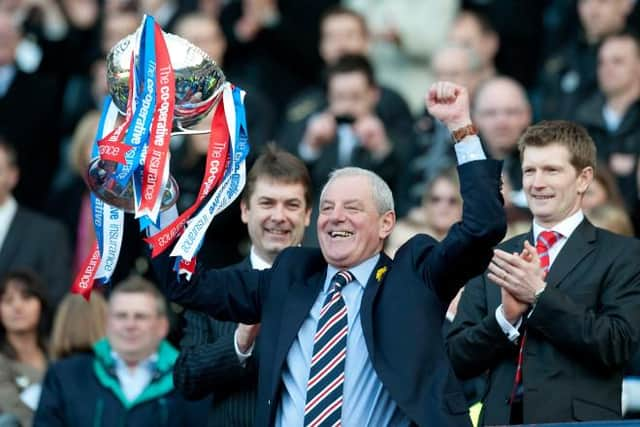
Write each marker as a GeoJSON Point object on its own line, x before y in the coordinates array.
{"type": "Point", "coordinates": [29, 239]}
{"type": "Point", "coordinates": [275, 205]}
{"type": "Point", "coordinates": [568, 333]}
{"type": "Point", "coordinates": [353, 336]}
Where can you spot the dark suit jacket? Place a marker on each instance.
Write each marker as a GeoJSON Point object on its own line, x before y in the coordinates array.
{"type": "Point", "coordinates": [208, 364]}
{"type": "Point", "coordinates": [30, 112]}
{"type": "Point", "coordinates": [40, 244]}
{"type": "Point", "coordinates": [581, 334]}
{"type": "Point", "coordinates": [402, 311]}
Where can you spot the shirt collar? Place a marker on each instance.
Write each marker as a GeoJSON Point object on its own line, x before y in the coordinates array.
{"type": "Point", "coordinates": [8, 209]}
{"type": "Point", "coordinates": [257, 263]}
{"type": "Point", "coordinates": [149, 363]}
{"type": "Point", "coordinates": [361, 272]}
{"type": "Point", "coordinates": [7, 72]}
{"type": "Point", "coordinates": [564, 227]}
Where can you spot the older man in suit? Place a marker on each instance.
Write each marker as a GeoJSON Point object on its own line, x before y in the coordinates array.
{"type": "Point", "coordinates": [353, 336]}
{"type": "Point", "coordinates": [568, 333]}
{"type": "Point", "coordinates": [276, 206]}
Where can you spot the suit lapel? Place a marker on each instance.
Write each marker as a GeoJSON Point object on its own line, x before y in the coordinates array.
{"type": "Point", "coordinates": [579, 245]}
{"type": "Point", "coordinates": [370, 291]}
{"type": "Point", "coordinates": [11, 242]}
{"type": "Point", "coordinates": [296, 308]}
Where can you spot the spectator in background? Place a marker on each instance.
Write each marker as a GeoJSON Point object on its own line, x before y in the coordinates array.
{"type": "Point", "coordinates": [612, 218]}
{"type": "Point", "coordinates": [342, 32]}
{"type": "Point", "coordinates": [454, 63]}
{"type": "Point", "coordinates": [602, 190]}
{"type": "Point", "coordinates": [24, 328]}
{"type": "Point", "coordinates": [612, 116]}
{"type": "Point", "coordinates": [27, 238]}
{"type": "Point", "coordinates": [473, 30]}
{"type": "Point", "coordinates": [128, 374]}
{"type": "Point", "coordinates": [441, 208]}
{"type": "Point", "coordinates": [276, 207]}
{"type": "Point", "coordinates": [568, 78]}
{"type": "Point", "coordinates": [349, 132]}
{"type": "Point", "coordinates": [77, 325]}
{"type": "Point", "coordinates": [29, 107]}
{"type": "Point", "coordinates": [272, 44]}
{"type": "Point", "coordinates": [501, 113]}
{"type": "Point", "coordinates": [402, 43]}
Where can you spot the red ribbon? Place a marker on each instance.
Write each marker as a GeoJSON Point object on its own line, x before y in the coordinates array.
{"type": "Point", "coordinates": [217, 158]}
{"type": "Point", "coordinates": [83, 283]}
{"type": "Point", "coordinates": [158, 150]}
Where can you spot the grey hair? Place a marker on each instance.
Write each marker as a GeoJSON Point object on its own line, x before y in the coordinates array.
{"type": "Point", "coordinates": [382, 195]}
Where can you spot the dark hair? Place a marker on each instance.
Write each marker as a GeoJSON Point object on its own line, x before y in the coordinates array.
{"type": "Point", "coordinates": [582, 149]}
{"type": "Point", "coordinates": [281, 166]}
{"type": "Point", "coordinates": [30, 285]}
{"type": "Point", "coordinates": [344, 11]}
{"type": "Point", "coordinates": [351, 63]}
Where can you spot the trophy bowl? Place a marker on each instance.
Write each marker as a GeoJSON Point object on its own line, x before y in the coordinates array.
{"type": "Point", "coordinates": [199, 82]}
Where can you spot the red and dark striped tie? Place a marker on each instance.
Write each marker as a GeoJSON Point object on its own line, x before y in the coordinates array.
{"type": "Point", "coordinates": [545, 241]}
{"type": "Point", "coordinates": [324, 389]}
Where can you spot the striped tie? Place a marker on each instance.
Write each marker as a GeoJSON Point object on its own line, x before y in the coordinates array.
{"type": "Point", "coordinates": [324, 389]}
{"type": "Point", "coordinates": [546, 239]}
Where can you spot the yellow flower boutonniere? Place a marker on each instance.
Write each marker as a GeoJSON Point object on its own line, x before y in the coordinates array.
{"type": "Point", "coordinates": [380, 273]}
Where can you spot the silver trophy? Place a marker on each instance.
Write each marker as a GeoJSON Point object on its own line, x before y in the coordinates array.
{"type": "Point", "coordinates": [199, 83]}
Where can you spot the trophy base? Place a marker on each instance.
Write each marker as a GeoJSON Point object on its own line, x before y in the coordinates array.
{"type": "Point", "coordinates": [101, 181]}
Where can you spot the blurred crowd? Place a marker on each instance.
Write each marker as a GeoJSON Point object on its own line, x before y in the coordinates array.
{"type": "Point", "coordinates": [335, 83]}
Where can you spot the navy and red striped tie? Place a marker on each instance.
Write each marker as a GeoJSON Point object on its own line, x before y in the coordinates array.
{"type": "Point", "coordinates": [326, 378]}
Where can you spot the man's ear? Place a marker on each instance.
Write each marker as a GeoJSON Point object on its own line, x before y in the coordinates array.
{"type": "Point", "coordinates": [387, 223]}
{"type": "Point", "coordinates": [585, 177]}
{"type": "Point", "coordinates": [244, 212]}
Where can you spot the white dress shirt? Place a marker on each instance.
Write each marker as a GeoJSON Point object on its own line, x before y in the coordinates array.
{"type": "Point", "coordinates": [565, 227]}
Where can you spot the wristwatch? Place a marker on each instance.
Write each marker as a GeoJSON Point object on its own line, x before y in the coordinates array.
{"type": "Point", "coordinates": [460, 133]}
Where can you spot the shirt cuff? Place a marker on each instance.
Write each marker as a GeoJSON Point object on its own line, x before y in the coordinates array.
{"type": "Point", "coordinates": [469, 150]}
{"type": "Point", "coordinates": [242, 357]}
{"type": "Point", "coordinates": [511, 331]}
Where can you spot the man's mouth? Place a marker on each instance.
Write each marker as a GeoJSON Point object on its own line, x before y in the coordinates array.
{"type": "Point", "coordinates": [340, 234]}
{"type": "Point", "coordinates": [542, 197]}
{"type": "Point", "coordinates": [277, 231]}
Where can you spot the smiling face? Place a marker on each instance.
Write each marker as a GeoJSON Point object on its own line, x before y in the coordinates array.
{"type": "Point", "coordinates": [350, 227]}
{"type": "Point", "coordinates": [276, 216]}
{"type": "Point", "coordinates": [134, 325]}
{"type": "Point", "coordinates": [553, 186]}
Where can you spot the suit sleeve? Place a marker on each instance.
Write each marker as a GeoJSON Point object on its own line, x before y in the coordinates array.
{"type": "Point", "coordinates": [50, 412]}
{"type": "Point", "coordinates": [606, 336]}
{"type": "Point", "coordinates": [208, 362]}
{"type": "Point", "coordinates": [474, 340]}
{"type": "Point", "coordinates": [227, 294]}
{"type": "Point", "coordinates": [468, 247]}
